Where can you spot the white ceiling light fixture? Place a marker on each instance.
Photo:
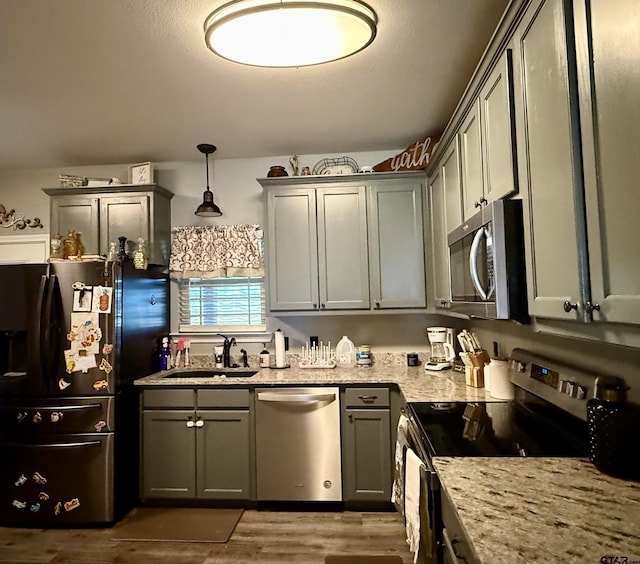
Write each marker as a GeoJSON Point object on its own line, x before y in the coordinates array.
{"type": "Point", "coordinates": [289, 33]}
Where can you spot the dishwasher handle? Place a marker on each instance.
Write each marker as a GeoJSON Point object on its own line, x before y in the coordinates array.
{"type": "Point", "coordinates": [295, 398]}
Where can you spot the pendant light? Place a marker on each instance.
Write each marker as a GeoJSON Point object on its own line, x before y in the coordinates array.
{"type": "Point", "coordinates": [289, 33]}
{"type": "Point", "coordinates": [208, 207]}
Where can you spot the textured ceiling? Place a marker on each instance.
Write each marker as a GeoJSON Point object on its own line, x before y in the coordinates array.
{"type": "Point", "coordinates": [86, 82]}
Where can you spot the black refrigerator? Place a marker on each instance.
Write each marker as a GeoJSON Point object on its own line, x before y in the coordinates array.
{"type": "Point", "coordinates": [73, 337]}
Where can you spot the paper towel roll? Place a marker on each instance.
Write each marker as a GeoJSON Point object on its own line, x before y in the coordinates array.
{"type": "Point", "coordinates": [487, 376]}
{"type": "Point", "coordinates": [501, 386]}
{"type": "Point", "coordinates": [280, 354]}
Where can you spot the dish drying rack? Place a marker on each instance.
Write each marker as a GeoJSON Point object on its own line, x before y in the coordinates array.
{"type": "Point", "coordinates": [317, 356]}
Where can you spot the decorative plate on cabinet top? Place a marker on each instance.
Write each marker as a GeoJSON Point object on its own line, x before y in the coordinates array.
{"type": "Point", "coordinates": [342, 165]}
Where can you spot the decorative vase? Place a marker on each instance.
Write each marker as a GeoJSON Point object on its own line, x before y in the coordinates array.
{"type": "Point", "coordinates": [277, 171]}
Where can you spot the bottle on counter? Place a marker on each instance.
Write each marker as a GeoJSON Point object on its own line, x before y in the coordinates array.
{"type": "Point", "coordinates": [265, 357]}
{"type": "Point", "coordinates": [613, 426]}
{"type": "Point", "coordinates": [165, 354]}
{"type": "Point", "coordinates": [345, 353]}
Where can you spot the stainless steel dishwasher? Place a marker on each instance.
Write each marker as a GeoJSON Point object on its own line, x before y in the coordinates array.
{"type": "Point", "coordinates": [298, 444]}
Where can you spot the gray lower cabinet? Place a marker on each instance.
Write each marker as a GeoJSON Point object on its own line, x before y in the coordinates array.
{"type": "Point", "coordinates": [102, 215]}
{"type": "Point", "coordinates": [366, 445]}
{"type": "Point", "coordinates": [197, 444]}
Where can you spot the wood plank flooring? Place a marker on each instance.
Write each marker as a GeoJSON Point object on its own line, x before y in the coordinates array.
{"type": "Point", "coordinates": [270, 537]}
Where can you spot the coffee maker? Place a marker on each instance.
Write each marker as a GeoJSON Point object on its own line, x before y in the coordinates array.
{"type": "Point", "coordinates": [442, 351]}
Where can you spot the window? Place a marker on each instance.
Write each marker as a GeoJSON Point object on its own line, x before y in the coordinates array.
{"type": "Point", "coordinates": [222, 304]}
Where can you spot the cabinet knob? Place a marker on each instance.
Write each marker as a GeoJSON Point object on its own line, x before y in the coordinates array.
{"type": "Point", "coordinates": [199, 423]}
{"type": "Point", "coordinates": [592, 307]}
{"type": "Point", "coordinates": [190, 424]}
{"type": "Point", "coordinates": [568, 306]}
{"type": "Point", "coordinates": [377, 303]}
{"type": "Point", "coordinates": [315, 305]}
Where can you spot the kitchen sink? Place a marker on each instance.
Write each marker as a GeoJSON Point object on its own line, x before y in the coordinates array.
{"type": "Point", "coordinates": [212, 373]}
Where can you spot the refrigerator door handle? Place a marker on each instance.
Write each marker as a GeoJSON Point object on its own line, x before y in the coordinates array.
{"type": "Point", "coordinates": [41, 321]}
{"type": "Point", "coordinates": [49, 344]}
{"type": "Point", "coordinates": [53, 445]}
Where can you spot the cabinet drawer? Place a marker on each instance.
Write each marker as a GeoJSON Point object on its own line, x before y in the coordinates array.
{"type": "Point", "coordinates": [223, 398]}
{"type": "Point", "coordinates": [367, 397]}
{"type": "Point", "coordinates": [168, 398]}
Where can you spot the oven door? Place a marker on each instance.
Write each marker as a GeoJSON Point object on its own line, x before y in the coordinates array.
{"type": "Point", "coordinates": [430, 538]}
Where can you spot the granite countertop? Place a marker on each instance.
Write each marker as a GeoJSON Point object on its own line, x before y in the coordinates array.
{"type": "Point", "coordinates": [542, 510]}
{"type": "Point", "coordinates": [416, 383]}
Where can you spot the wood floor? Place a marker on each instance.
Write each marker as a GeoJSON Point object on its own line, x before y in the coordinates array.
{"type": "Point", "coordinates": [271, 537]}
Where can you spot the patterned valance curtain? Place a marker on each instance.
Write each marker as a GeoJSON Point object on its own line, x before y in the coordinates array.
{"type": "Point", "coordinates": [215, 251]}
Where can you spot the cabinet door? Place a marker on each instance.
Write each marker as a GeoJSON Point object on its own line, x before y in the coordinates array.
{"type": "Point", "coordinates": [124, 216]}
{"type": "Point", "coordinates": [396, 240]}
{"type": "Point", "coordinates": [292, 249]}
{"type": "Point", "coordinates": [343, 264]}
{"type": "Point", "coordinates": [439, 249]}
{"type": "Point", "coordinates": [611, 129]}
{"type": "Point", "coordinates": [446, 214]}
{"type": "Point", "coordinates": [471, 161]}
{"type": "Point", "coordinates": [549, 166]}
{"type": "Point", "coordinates": [498, 133]}
{"type": "Point", "coordinates": [79, 213]}
{"type": "Point", "coordinates": [367, 455]}
{"type": "Point", "coordinates": [223, 454]}
{"type": "Point", "coordinates": [168, 454]}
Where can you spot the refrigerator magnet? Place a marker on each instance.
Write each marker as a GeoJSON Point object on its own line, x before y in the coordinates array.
{"type": "Point", "coordinates": [102, 299]}
{"type": "Point", "coordinates": [104, 365]}
{"type": "Point", "coordinates": [83, 299]}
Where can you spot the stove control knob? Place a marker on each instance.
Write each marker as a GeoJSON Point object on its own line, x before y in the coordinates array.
{"type": "Point", "coordinates": [562, 386]}
{"type": "Point", "coordinates": [570, 389]}
{"type": "Point", "coordinates": [581, 392]}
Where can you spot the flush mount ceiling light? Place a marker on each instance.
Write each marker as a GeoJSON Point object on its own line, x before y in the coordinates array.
{"type": "Point", "coordinates": [289, 33]}
{"type": "Point", "coordinates": [208, 207]}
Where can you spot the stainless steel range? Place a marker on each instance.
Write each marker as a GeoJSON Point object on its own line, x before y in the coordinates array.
{"type": "Point", "coordinates": [548, 417]}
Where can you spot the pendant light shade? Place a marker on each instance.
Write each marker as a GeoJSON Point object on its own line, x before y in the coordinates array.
{"type": "Point", "coordinates": [208, 207]}
{"type": "Point", "coordinates": [289, 33]}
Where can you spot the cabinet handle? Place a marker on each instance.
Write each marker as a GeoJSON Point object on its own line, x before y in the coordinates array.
{"type": "Point", "coordinates": [322, 306]}
{"type": "Point", "coordinates": [199, 423]}
{"type": "Point", "coordinates": [315, 305]}
{"type": "Point", "coordinates": [568, 306]}
{"type": "Point", "coordinates": [377, 303]}
{"type": "Point", "coordinates": [190, 424]}
{"type": "Point", "coordinates": [368, 399]}
{"type": "Point", "coordinates": [477, 204]}
{"type": "Point", "coordinates": [592, 307]}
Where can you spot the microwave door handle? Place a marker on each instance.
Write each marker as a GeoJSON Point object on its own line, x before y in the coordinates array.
{"type": "Point", "coordinates": [473, 262]}
{"type": "Point", "coordinates": [490, 255]}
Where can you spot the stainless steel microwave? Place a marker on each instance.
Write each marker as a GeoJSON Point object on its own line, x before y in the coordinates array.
{"type": "Point", "coordinates": [487, 264]}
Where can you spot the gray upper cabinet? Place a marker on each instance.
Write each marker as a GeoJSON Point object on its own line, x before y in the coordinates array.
{"type": "Point", "coordinates": [102, 215]}
{"type": "Point", "coordinates": [547, 108]}
{"type": "Point", "coordinates": [471, 161]}
{"type": "Point", "coordinates": [445, 214]}
{"type": "Point", "coordinates": [317, 248]}
{"type": "Point", "coordinates": [396, 244]}
{"type": "Point", "coordinates": [608, 48]}
{"type": "Point", "coordinates": [498, 131]}
{"type": "Point", "coordinates": [344, 244]}
{"type": "Point", "coordinates": [487, 142]}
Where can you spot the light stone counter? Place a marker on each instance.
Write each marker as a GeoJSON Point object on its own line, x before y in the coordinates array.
{"type": "Point", "coordinates": [542, 510]}
{"type": "Point", "coordinates": [416, 384]}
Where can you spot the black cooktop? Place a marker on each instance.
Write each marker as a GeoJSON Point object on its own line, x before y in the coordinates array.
{"type": "Point", "coordinates": [527, 426]}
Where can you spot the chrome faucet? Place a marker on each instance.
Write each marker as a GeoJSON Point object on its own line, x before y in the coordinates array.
{"type": "Point", "coordinates": [226, 350]}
